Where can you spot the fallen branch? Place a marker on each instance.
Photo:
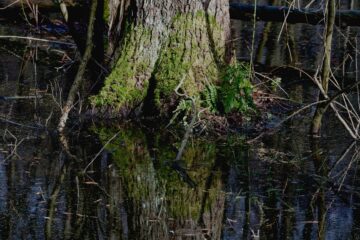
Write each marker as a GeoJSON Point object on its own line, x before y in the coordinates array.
{"type": "Point", "coordinates": [101, 150]}
{"type": "Point", "coordinates": [37, 39]}
{"type": "Point", "coordinates": [291, 15]}
{"type": "Point", "coordinates": [12, 4]}
{"type": "Point", "coordinates": [5, 98]}
{"type": "Point", "coordinates": [9, 5]}
{"type": "Point", "coordinates": [8, 121]}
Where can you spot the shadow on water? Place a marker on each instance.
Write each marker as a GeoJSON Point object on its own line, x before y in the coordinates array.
{"type": "Point", "coordinates": [285, 186]}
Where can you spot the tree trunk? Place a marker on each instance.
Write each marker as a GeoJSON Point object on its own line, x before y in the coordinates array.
{"type": "Point", "coordinates": [326, 66]}
{"type": "Point", "coordinates": [168, 50]}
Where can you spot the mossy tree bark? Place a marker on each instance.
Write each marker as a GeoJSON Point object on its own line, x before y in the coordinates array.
{"type": "Point", "coordinates": [164, 46]}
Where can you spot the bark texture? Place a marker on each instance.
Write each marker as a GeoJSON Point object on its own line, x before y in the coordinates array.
{"type": "Point", "coordinates": [117, 12]}
{"type": "Point", "coordinates": [168, 50]}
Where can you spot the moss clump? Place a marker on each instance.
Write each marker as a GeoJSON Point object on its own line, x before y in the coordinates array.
{"type": "Point", "coordinates": [127, 84]}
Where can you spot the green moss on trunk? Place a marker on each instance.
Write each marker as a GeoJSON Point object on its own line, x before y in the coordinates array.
{"type": "Point", "coordinates": [188, 58]}
{"type": "Point", "coordinates": [126, 86]}
{"type": "Point", "coordinates": [106, 11]}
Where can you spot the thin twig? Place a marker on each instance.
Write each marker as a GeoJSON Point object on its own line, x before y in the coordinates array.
{"type": "Point", "coordinates": [13, 3]}
{"type": "Point", "coordinates": [36, 39]}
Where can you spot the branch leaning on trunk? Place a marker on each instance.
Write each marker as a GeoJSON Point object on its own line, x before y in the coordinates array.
{"type": "Point", "coordinates": [80, 74]}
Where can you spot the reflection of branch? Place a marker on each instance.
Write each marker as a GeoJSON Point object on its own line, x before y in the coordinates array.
{"type": "Point", "coordinates": [5, 98]}
{"type": "Point", "coordinates": [187, 133]}
{"type": "Point", "coordinates": [345, 153]}
{"type": "Point", "coordinates": [18, 124]}
{"type": "Point", "coordinates": [101, 150]}
{"type": "Point", "coordinates": [323, 178]}
{"type": "Point", "coordinates": [52, 201]}
{"type": "Point", "coordinates": [354, 158]}
{"type": "Point", "coordinates": [182, 172]}
{"type": "Point", "coordinates": [16, 144]}
{"type": "Point", "coordinates": [65, 145]}
{"type": "Point", "coordinates": [330, 101]}
{"type": "Point", "coordinates": [274, 129]}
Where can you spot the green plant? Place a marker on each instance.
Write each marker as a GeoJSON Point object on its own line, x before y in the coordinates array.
{"type": "Point", "coordinates": [211, 97]}
{"type": "Point", "coordinates": [235, 92]}
{"type": "Point", "coordinates": [275, 84]}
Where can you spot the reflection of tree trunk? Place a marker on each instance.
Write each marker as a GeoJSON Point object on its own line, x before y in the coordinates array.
{"type": "Point", "coordinates": [117, 212]}
{"type": "Point", "coordinates": [273, 56]}
{"type": "Point", "coordinates": [80, 210]}
{"type": "Point", "coordinates": [321, 205]}
{"type": "Point", "coordinates": [291, 45]}
{"type": "Point", "coordinates": [288, 218]}
{"type": "Point", "coordinates": [356, 210]}
{"type": "Point", "coordinates": [264, 36]}
{"type": "Point", "coordinates": [321, 169]}
{"type": "Point", "coordinates": [53, 201]}
{"type": "Point", "coordinates": [263, 42]}
{"type": "Point", "coordinates": [205, 197]}
{"type": "Point", "coordinates": [309, 218]}
{"type": "Point", "coordinates": [216, 223]}
{"type": "Point", "coordinates": [271, 212]}
{"type": "Point", "coordinates": [247, 189]}
{"type": "Point", "coordinates": [24, 73]}
{"type": "Point", "coordinates": [326, 67]}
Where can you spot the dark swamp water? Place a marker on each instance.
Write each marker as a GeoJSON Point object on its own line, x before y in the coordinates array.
{"type": "Point", "coordinates": [283, 186]}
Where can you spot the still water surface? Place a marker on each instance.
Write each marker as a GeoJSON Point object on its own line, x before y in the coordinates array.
{"type": "Point", "coordinates": [284, 186]}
